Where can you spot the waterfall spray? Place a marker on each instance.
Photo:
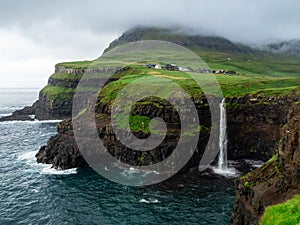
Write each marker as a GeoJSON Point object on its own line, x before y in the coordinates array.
{"type": "Point", "coordinates": [222, 167]}
{"type": "Point", "coordinates": [222, 162]}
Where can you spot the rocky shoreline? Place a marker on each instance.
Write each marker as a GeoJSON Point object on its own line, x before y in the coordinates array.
{"type": "Point", "coordinates": [25, 114]}
{"type": "Point", "coordinates": [256, 126]}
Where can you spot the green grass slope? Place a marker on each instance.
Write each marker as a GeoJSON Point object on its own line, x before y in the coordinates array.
{"type": "Point", "coordinates": [258, 73]}
{"type": "Point", "coordinates": [287, 213]}
{"type": "Point", "coordinates": [231, 85]}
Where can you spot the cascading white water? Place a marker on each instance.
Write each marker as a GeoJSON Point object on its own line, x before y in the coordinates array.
{"type": "Point", "coordinates": [222, 167]}
{"type": "Point", "coordinates": [222, 162]}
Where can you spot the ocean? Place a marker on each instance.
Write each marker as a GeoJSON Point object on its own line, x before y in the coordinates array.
{"type": "Point", "coordinates": [34, 193]}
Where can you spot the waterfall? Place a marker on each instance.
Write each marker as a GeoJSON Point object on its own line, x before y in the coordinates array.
{"type": "Point", "coordinates": [222, 168]}
{"type": "Point", "coordinates": [222, 162]}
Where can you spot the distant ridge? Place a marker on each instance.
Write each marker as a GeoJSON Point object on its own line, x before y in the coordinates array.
{"type": "Point", "coordinates": [186, 40]}
{"type": "Point", "coordinates": [286, 47]}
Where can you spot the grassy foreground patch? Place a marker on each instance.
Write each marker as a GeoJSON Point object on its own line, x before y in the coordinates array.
{"type": "Point", "coordinates": [287, 213]}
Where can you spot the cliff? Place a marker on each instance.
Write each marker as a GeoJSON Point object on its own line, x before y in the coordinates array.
{"type": "Point", "coordinates": [276, 182]}
{"type": "Point", "coordinates": [254, 120]}
{"type": "Point", "coordinates": [254, 127]}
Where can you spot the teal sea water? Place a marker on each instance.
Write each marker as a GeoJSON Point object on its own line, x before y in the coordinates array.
{"type": "Point", "coordinates": [32, 193]}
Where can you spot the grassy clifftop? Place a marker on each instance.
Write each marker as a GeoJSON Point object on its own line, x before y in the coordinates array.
{"type": "Point", "coordinates": [231, 85]}
{"type": "Point", "coordinates": [61, 86]}
{"type": "Point", "coordinates": [76, 65]}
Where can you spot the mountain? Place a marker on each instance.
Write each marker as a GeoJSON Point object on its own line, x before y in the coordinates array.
{"type": "Point", "coordinates": [286, 47]}
{"type": "Point", "coordinates": [220, 53]}
{"type": "Point", "coordinates": [180, 38]}
{"type": "Point", "coordinates": [207, 42]}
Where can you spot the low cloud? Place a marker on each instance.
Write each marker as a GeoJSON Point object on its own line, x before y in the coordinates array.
{"type": "Point", "coordinates": [38, 33]}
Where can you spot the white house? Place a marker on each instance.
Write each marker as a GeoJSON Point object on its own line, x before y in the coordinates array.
{"type": "Point", "coordinates": [158, 67]}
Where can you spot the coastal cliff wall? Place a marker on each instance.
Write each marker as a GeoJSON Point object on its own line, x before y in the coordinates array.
{"type": "Point", "coordinates": [254, 128]}
{"type": "Point", "coordinates": [276, 182]}
{"type": "Point", "coordinates": [55, 100]}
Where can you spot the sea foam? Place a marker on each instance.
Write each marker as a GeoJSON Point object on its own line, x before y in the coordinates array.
{"type": "Point", "coordinates": [48, 170]}
{"type": "Point", "coordinates": [148, 201]}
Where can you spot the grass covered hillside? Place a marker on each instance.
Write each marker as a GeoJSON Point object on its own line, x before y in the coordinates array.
{"type": "Point", "coordinates": [255, 72]}
{"type": "Point", "coordinates": [231, 85]}
{"type": "Point", "coordinates": [219, 53]}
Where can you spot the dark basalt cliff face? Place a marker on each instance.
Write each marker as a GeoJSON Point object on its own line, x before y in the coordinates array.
{"type": "Point", "coordinates": [58, 105]}
{"type": "Point", "coordinates": [254, 128]}
{"type": "Point", "coordinates": [62, 152]}
{"type": "Point", "coordinates": [276, 182]}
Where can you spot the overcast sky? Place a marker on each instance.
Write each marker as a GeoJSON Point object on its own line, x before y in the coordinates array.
{"type": "Point", "coordinates": [35, 35]}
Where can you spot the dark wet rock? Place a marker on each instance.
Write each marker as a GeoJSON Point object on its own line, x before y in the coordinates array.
{"type": "Point", "coordinates": [254, 127]}
{"type": "Point", "coordinates": [16, 118]}
{"type": "Point", "coordinates": [25, 114]}
{"type": "Point", "coordinates": [276, 182]}
{"type": "Point", "coordinates": [61, 151]}
{"type": "Point", "coordinates": [52, 109]}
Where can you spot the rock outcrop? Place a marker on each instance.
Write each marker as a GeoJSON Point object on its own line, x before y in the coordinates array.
{"type": "Point", "coordinates": [276, 182]}
{"type": "Point", "coordinates": [25, 114]}
{"type": "Point", "coordinates": [61, 150]}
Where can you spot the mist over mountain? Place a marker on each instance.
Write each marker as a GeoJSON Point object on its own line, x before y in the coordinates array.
{"type": "Point", "coordinates": [190, 39]}
{"type": "Point", "coordinates": [180, 37]}
{"type": "Point", "coordinates": [291, 48]}
{"type": "Point", "coordinates": [35, 35]}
